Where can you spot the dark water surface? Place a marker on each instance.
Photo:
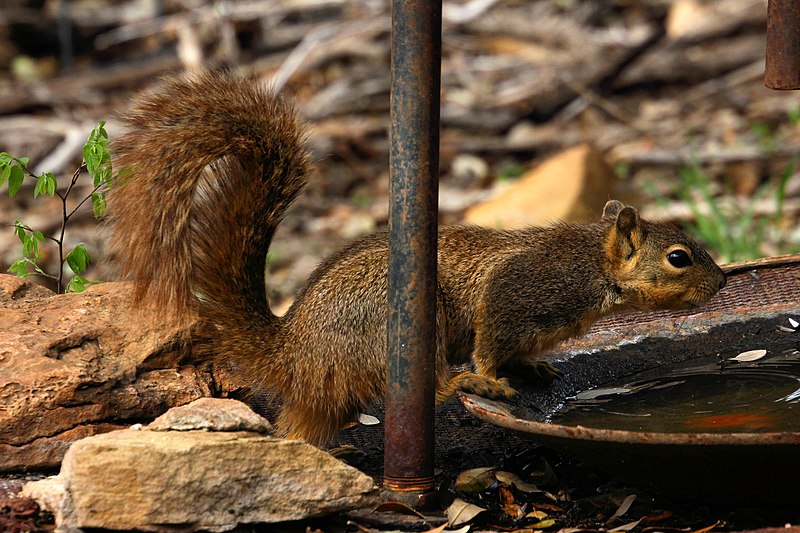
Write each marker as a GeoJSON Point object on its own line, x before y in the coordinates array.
{"type": "Point", "coordinates": [698, 397]}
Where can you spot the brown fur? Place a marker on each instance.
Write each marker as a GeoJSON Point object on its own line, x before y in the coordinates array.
{"type": "Point", "coordinates": [196, 240]}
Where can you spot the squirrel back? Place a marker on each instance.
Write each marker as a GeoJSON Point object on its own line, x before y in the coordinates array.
{"type": "Point", "coordinates": [213, 162]}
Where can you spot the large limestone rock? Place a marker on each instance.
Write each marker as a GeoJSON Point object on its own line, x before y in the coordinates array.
{"type": "Point", "coordinates": [74, 365]}
{"type": "Point", "coordinates": [571, 186]}
{"type": "Point", "coordinates": [193, 480]}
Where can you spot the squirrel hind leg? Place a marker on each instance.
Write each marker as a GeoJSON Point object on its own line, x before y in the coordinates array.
{"type": "Point", "coordinates": [315, 426]}
{"type": "Point", "coordinates": [492, 388]}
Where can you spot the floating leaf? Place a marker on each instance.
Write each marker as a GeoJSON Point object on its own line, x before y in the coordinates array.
{"type": "Point", "coordinates": [751, 355]}
{"type": "Point", "coordinates": [475, 479]}
{"type": "Point", "coordinates": [368, 420]}
{"type": "Point", "coordinates": [794, 323]}
{"type": "Point", "coordinates": [461, 512]}
{"type": "Point", "coordinates": [514, 480]}
{"type": "Point", "coordinates": [544, 524]}
{"type": "Point", "coordinates": [596, 393]}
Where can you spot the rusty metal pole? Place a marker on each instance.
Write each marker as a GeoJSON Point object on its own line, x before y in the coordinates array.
{"type": "Point", "coordinates": [411, 328]}
{"type": "Point", "coordinates": [782, 69]}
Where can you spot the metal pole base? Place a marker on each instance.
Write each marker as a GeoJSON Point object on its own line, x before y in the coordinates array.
{"type": "Point", "coordinates": [417, 493]}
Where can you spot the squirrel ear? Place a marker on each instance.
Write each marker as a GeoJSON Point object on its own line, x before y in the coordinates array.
{"type": "Point", "coordinates": [627, 235]}
{"type": "Point", "coordinates": [611, 209]}
{"type": "Point", "coordinates": [628, 221]}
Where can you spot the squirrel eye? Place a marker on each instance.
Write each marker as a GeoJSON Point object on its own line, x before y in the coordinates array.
{"type": "Point", "coordinates": [679, 259]}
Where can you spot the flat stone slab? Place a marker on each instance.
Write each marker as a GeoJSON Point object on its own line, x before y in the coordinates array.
{"type": "Point", "coordinates": [196, 480]}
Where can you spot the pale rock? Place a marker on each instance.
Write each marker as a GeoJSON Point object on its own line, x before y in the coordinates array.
{"type": "Point", "coordinates": [74, 365]}
{"type": "Point", "coordinates": [695, 20]}
{"type": "Point", "coordinates": [686, 17]}
{"type": "Point", "coordinates": [196, 480]}
{"type": "Point", "coordinates": [211, 414]}
{"type": "Point", "coordinates": [571, 186]}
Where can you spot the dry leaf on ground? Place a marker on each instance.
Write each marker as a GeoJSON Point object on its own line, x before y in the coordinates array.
{"type": "Point", "coordinates": [475, 479]}
{"type": "Point", "coordinates": [461, 512]}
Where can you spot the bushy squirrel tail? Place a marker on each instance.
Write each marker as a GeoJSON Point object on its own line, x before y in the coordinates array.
{"type": "Point", "coordinates": [213, 160]}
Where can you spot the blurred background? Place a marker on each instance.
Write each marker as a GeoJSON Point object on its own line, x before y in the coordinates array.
{"type": "Point", "coordinates": [549, 108]}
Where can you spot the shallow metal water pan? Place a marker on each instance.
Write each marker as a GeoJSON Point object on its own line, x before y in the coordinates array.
{"type": "Point", "coordinates": [748, 467]}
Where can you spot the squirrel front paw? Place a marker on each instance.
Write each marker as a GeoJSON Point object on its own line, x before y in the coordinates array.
{"type": "Point", "coordinates": [491, 388]}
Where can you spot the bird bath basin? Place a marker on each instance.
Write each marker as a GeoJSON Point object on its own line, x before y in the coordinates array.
{"type": "Point", "coordinates": [645, 398]}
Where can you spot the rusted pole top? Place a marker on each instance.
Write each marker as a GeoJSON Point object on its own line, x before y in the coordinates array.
{"type": "Point", "coordinates": [783, 45]}
{"type": "Point", "coordinates": [411, 328]}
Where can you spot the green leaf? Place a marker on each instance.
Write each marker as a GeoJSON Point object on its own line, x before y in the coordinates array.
{"type": "Point", "coordinates": [51, 183]}
{"type": "Point", "coordinates": [30, 245]}
{"type": "Point", "coordinates": [96, 154]}
{"type": "Point", "coordinates": [76, 284]}
{"type": "Point", "coordinates": [23, 161]}
{"type": "Point", "coordinates": [98, 203]}
{"type": "Point", "coordinates": [5, 172]}
{"type": "Point", "coordinates": [103, 175]}
{"type": "Point", "coordinates": [41, 186]}
{"type": "Point", "coordinates": [5, 158]}
{"type": "Point", "coordinates": [79, 284]}
{"type": "Point", "coordinates": [101, 130]}
{"type": "Point", "coordinates": [15, 180]}
{"type": "Point", "coordinates": [78, 259]}
{"type": "Point", "coordinates": [19, 268]}
{"type": "Point", "coordinates": [19, 230]}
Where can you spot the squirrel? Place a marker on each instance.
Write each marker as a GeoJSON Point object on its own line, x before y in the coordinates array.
{"type": "Point", "coordinates": [213, 162]}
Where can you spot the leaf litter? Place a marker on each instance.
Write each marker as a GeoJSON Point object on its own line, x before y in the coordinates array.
{"type": "Point", "coordinates": [461, 512]}
{"type": "Point", "coordinates": [500, 498]}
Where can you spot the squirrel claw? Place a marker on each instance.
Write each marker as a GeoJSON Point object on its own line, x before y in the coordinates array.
{"type": "Point", "coordinates": [540, 372]}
